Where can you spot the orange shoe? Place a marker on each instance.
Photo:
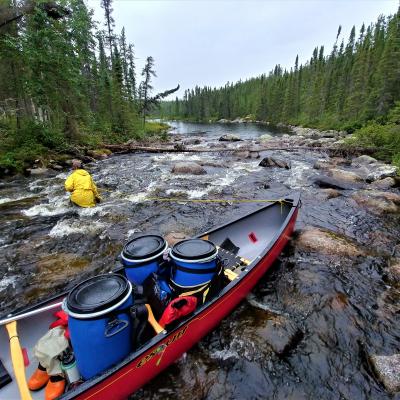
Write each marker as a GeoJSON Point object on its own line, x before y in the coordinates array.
{"type": "Point", "coordinates": [54, 389]}
{"type": "Point", "coordinates": [38, 379]}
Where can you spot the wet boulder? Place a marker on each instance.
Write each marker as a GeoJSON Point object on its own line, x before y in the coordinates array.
{"type": "Point", "coordinates": [99, 154]}
{"type": "Point", "coordinates": [387, 369]}
{"type": "Point", "coordinates": [229, 138]}
{"type": "Point", "coordinates": [188, 168]}
{"type": "Point", "coordinates": [327, 182]}
{"type": "Point", "coordinates": [344, 175]}
{"type": "Point", "coordinates": [191, 142]}
{"type": "Point", "coordinates": [393, 272]}
{"type": "Point", "coordinates": [280, 333]}
{"type": "Point", "coordinates": [383, 184]}
{"type": "Point", "coordinates": [327, 242]}
{"type": "Point", "coordinates": [323, 164]}
{"type": "Point", "coordinates": [243, 154]}
{"type": "Point", "coordinates": [364, 160]}
{"type": "Point", "coordinates": [330, 193]}
{"type": "Point", "coordinates": [372, 170]}
{"type": "Point", "coordinates": [378, 201]}
{"type": "Point", "coordinates": [274, 162]}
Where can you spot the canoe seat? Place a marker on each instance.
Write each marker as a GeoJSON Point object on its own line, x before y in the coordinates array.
{"type": "Point", "coordinates": [233, 264]}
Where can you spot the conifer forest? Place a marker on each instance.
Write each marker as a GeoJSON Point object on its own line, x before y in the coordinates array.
{"type": "Point", "coordinates": [354, 87]}
{"type": "Point", "coordinates": [66, 80]}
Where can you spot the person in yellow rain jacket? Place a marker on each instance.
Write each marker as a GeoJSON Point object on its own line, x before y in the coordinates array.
{"type": "Point", "coordinates": [80, 183]}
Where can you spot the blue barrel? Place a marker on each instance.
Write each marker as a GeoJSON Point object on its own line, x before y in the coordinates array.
{"type": "Point", "coordinates": [142, 256]}
{"type": "Point", "coordinates": [195, 262]}
{"type": "Point", "coordinates": [99, 322]}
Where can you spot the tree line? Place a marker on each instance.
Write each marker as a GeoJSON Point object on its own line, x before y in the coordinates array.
{"type": "Point", "coordinates": [65, 80]}
{"type": "Point", "coordinates": [358, 81]}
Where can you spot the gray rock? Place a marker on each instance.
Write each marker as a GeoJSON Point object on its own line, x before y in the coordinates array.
{"type": "Point", "coordinates": [345, 176]}
{"type": "Point", "coordinates": [56, 167]}
{"type": "Point", "coordinates": [274, 162]}
{"type": "Point", "coordinates": [364, 160]}
{"type": "Point", "coordinates": [265, 137]}
{"type": "Point", "coordinates": [188, 168]}
{"type": "Point", "coordinates": [330, 193]}
{"type": "Point", "coordinates": [387, 369]}
{"type": "Point", "coordinates": [190, 142]}
{"type": "Point", "coordinates": [323, 164]}
{"type": "Point", "coordinates": [371, 169]}
{"type": "Point", "coordinates": [254, 154]}
{"type": "Point", "coordinates": [383, 184]}
{"type": "Point", "coordinates": [381, 171]}
{"type": "Point", "coordinates": [37, 171]}
{"type": "Point", "coordinates": [229, 138]}
{"type": "Point", "coordinates": [327, 182]}
{"type": "Point", "coordinates": [378, 201]}
{"type": "Point", "coordinates": [327, 242]}
{"type": "Point", "coordinates": [242, 154]}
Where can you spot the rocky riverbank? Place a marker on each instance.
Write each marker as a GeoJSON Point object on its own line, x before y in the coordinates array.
{"type": "Point", "coordinates": [323, 323]}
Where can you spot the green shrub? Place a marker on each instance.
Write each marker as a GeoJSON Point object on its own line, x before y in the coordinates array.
{"type": "Point", "coordinates": [384, 137]}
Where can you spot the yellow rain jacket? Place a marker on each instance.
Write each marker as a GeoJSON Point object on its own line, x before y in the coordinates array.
{"type": "Point", "coordinates": [84, 191]}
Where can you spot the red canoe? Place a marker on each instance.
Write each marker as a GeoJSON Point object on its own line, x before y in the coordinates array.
{"type": "Point", "coordinates": [258, 238]}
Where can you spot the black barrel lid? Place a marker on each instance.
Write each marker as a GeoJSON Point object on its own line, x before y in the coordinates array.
{"type": "Point", "coordinates": [193, 249]}
{"type": "Point", "coordinates": [142, 247]}
{"type": "Point", "coordinates": [97, 293]}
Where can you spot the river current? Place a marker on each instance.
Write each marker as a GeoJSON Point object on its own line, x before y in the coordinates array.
{"type": "Point", "coordinates": [344, 308]}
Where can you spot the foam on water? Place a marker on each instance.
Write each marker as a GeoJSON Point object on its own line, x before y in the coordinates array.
{"type": "Point", "coordinates": [298, 174]}
{"type": "Point", "coordinates": [57, 205]}
{"type": "Point", "coordinates": [7, 281]}
{"type": "Point", "coordinates": [69, 227]}
{"type": "Point", "coordinates": [11, 199]}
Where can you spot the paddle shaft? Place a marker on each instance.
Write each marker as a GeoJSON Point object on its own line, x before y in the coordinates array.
{"type": "Point", "coordinates": [29, 313]}
{"type": "Point", "coordinates": [18, 361]}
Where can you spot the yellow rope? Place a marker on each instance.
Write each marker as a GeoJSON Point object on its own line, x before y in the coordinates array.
{"type": "Point", "coordinates": [183, 200]}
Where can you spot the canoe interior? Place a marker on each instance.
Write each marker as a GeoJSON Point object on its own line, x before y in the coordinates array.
{"type": "Point", "coordinates": [252, 235]}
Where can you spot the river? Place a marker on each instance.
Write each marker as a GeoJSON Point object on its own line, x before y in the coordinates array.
{"type": "Point", "coordinates": [344, 307]}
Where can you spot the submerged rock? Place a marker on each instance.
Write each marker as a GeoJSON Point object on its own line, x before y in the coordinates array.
{"type": "Point", "coordinates": [387, 369]}
{"type": "Point", "coordinates": [274, 162]}
{"type": "Point", "coordinates": [229, 138]}
{"type": "Point", "coordinates": [280, 333]}
{"type": "Point", "coordinates": [188, 168]}
{"type": "Point", "coordinates": [327, 242]}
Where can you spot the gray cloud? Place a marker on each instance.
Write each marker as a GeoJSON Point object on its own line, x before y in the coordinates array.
{"type": "Point", "coordinates": [211, 42]}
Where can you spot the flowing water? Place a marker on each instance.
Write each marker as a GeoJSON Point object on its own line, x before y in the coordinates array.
{"type": "Point", "coordinates": [344, 308]}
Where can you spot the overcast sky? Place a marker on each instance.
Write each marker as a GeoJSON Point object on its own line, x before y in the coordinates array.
{"type": "Point", "coordinates": [212, 42]}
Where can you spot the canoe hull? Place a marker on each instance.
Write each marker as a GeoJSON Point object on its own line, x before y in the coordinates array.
{"type": "Point", "coordinates": [150, 363]}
